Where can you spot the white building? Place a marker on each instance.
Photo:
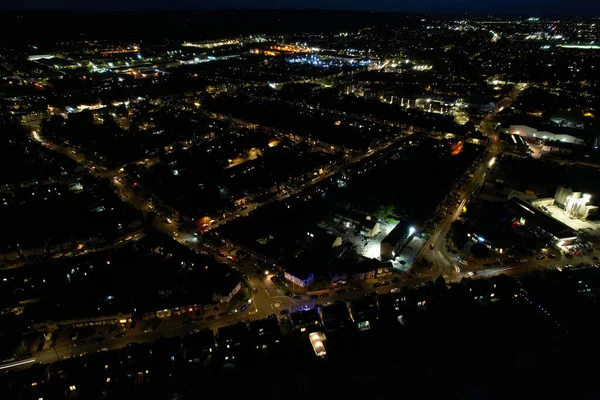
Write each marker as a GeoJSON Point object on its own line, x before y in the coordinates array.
{"type": "Point", "coordinates": [534, 133]}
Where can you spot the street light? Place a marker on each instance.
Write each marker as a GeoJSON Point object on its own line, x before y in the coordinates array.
{"type": "Point", "coordinates": [411, 231]}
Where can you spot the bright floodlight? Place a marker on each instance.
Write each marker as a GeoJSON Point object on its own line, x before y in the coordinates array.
{"type": "Point", "coordinates": [411, 230]}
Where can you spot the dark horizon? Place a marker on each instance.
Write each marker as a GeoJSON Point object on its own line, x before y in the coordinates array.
{"type": "Point", "coordinates": [537, 8]}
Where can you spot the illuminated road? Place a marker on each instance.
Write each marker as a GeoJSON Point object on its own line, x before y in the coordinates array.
{"type": "Point", "coordinates": [267, 298]}
{"type": "Point", "coordinates": [443, 260]}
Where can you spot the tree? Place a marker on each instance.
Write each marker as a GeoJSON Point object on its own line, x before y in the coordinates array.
{"type": "Point", "coordinates": [458, 234]}
{"type": "Point", "coordinates": [440, 281]}
{"type": "Point", "coordinates": [480, 250]}
{"type": "Point", "coordinates": [385, 212]}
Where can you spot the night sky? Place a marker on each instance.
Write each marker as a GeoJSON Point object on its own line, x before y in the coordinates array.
{"type": "Point", "coordinates": [530, 7]}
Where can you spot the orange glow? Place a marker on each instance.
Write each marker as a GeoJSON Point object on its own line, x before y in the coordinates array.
{"type": "Point", "coordinates": [457, 148]}
{"type": "Point", "coordinates": [203, 221]}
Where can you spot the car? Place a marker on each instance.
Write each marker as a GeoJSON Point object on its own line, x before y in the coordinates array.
{"type": "Point", "coordinates": [523, 260]}
{"type": "Point", "coordinates": [339, 291]}
{"type": "Point", "coordinates": [211, 317]}
{"type": "Point", "coordinates": [385, 283]}
{"type": "Point", "coordinates": [120, 335]}
{"type": "Point", "coordinates": [395, 290]}
{"type": "Point", "coordinates": [595, 258]}
{"type": "Point", "coordinates": [551, 256]}
{"type": "Point", "coordinates": [234, 311]}
{"type": "Point", "coordinates": [313, 296]}
{"type": "Point", "coordinates": [244, 307]}
{"type": "Point", "coordinates": [289, 294]}
{"type": "Point", "coordinates": [271, 316]}
{"type": "Point", "coordinates": [377, 284]}
{"type": "Point", "coordinates": [470, 273]}
{"type": "Point", "coordinates": [324, 295]}
{"type": "Point", "coordinates": [395, 280]}
{"type": "Point", "coordinates": [284, 312]}
{"type": "Point", "coordinates": [487, 265]}
{"type": "Point", "coordinates": [540, 257]}
{"type": "Point", "coordinates": [297, 297]}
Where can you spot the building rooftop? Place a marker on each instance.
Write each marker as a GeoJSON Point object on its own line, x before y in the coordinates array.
{"type": "Point", "coordinates": [544, 221]}
{"type": "Point", "coordinates": [233, 333]}
{"type": "Point", "coordinates": [398, 232]}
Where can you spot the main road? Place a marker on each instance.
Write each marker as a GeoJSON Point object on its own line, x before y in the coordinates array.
{"type": "Point", "coordinates": [435, 248]}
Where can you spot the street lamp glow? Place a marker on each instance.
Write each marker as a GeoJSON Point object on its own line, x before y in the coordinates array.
{"type": "Point", "coordinates": [411, 231]}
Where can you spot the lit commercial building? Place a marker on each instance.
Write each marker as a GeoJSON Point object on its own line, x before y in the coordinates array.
{"type": "Point", "coordinates": [528, 213]}
{"type": "Point", "coordinates": [558, 134]}
{"type": "Point", "coordinates": [575, 204]}
{"type": "Point", "coordinates": [396, 239]}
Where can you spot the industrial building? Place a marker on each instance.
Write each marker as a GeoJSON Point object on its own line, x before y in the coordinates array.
{"type": "Point", "coordinates": [396, 239]}
{"type": "Point", "coordinates": [560, 233]}
{"type": "Point", "coordinates": [554, 133]}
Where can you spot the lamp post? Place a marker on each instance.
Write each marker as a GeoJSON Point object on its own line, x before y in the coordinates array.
{"type": "Point", "coordinates": [53, 345]}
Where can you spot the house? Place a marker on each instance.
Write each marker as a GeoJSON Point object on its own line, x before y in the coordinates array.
{"type": "Point", "coordinates": [365, 224]}
{"type": "Point", "coordinates": [305, 321]}
{"type": "Point", "coordinates": [233, 335]}
{"type": "Point", "coordinates": [342, 270]}
{"type": "Point", "coordinates": [299, 277]}
{"type": "Point", "coordinates": [198, 345]}
{"type": "Point", "coordinates": [335, 317]}
{"type": "Point", "coordinates": [265, 332]}
{"type": "Point", "coordinates": [364, 312]}
{"type": "Point", "coordinates": [229, 287]}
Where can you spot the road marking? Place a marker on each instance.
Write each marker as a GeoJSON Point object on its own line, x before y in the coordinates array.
{"type": "Point", "coordinates": [17, 363]}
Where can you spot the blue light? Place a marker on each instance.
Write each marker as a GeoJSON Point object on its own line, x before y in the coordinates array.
{"type": "Point", "coordinates": [480, 239]}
